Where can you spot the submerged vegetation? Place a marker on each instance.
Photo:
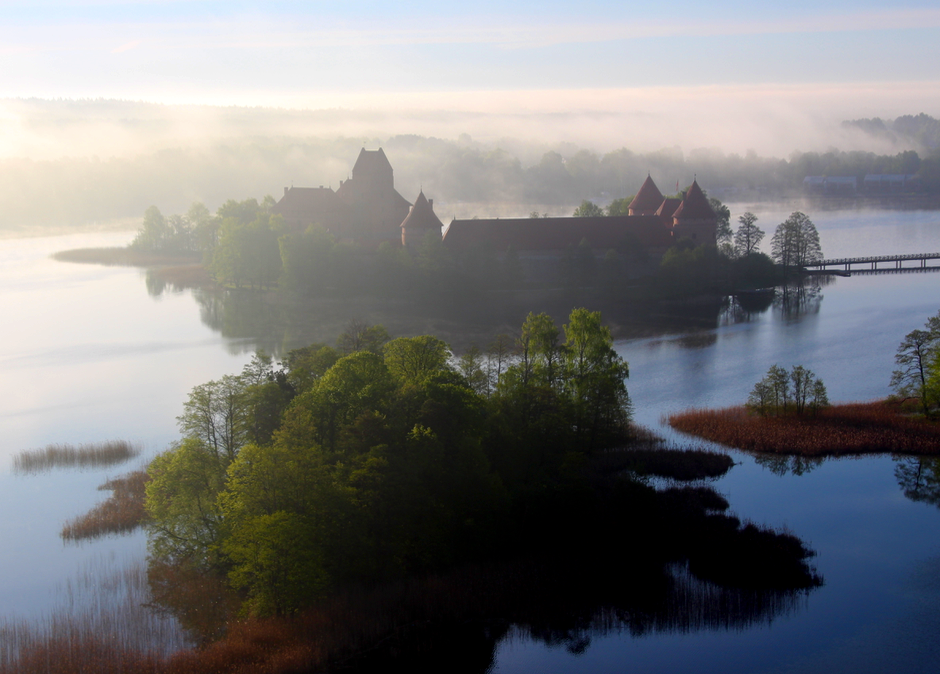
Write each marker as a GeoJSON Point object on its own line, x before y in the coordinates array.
{"type": "Point", "coordinates": [92, 455]}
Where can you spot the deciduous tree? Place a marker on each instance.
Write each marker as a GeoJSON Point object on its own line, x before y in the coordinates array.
{"type": "Point", "coordinates": [748, 236]}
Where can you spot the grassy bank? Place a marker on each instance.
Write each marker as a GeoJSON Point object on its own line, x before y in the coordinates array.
{"type": "Point", "coordinates": [855, 428]}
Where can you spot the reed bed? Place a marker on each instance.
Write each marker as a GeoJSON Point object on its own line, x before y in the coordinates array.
{"type": "Point", "coordinates": [855, 428]}
{"type": "Point", "coordinates": [93, 455]}
{"type": "Point", "coordinates": [126, 257]}
{"type": "Point", "coordinates": [102, 623]}
{"type": "Point", "coordinates": [122, 512]}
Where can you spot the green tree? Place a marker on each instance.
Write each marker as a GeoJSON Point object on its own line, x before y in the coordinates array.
{"type": "Point", "coordinates": [595, 380]}
{"type": "Point", "coordinates": [781, 392]}
{"type": "Point", "coordinates": [154, 231]}
{"type": "Point", "coordinates": [414, 359]}
{"type": "Point", "coordinates": [620, 206]}
{"type": "Point", "coordinates": [916, 355]}
{"type": "Point", "coordinates": [588, 209]}
{"type": "Point", "coordinates": [215, 414]}
{"type": "Point", "coordinates": [182, 502]}
{"type": "Point", "coordinates": [723, 233]}
{"type": "Point", "coordinates": [795, 242]}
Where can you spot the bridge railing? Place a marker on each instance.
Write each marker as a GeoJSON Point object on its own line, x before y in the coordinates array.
{"type": "Point", "coordinates": [875, 258]}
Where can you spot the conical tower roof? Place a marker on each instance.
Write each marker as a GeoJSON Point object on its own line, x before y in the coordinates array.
{"type": "Point", "coordinates": [695, 206]}
{"type": "Point", "coordinates": [422, 215]}
{"type": "Point", "coordinates": [647, 199]}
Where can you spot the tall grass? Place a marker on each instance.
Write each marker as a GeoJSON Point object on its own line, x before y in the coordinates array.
{"type": "Point", "coordinates": [122, 512]}
{"type": "Point", "coordinates": [856, 428]}
{"type": "Point", "coordinates": [94, 455]}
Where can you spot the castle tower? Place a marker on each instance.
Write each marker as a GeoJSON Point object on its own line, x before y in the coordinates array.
{"type": "Point", "coordinates": [419, 222]}
{"type": "Point", "coordinates": [695, 217]}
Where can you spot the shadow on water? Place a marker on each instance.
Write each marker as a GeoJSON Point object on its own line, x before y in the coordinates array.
{"type": "Point", "coordinates": [279, 321]}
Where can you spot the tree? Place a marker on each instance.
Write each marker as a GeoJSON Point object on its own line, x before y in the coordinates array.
{"type": "Point", "coordinates": [414, 359]}
{"type": "Point", "coordinates": [748, 236]}
{"type": "Point", "coordinates": [915, 356]}
{"type": "Point", "coordinates": [723, 233]}
{"type": "Point", "coordinates": [360, 336]}
{"type": "Point", "coordinates": [780, 391]}
{"type": "Point", "coordinates": [595, 379]}
{"type": "Point", "coordinates": [620, 206]}
{"type": "Point", "coordinates": [154, 231]}
{"type": "Point", "coordinates": [588, 209]}
{"type": "Point", "coordinates": [182, 501]}
{"type": "Point", "coordinates": [215, 414]}
{"type": "Point", "coordinates": [795, 242]}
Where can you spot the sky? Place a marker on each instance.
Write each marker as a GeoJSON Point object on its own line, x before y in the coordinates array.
{"type": "Point", "coordinates": [753, 66]}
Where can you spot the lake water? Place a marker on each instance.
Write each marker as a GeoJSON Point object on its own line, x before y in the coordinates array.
{"type": "Point", "coordinates": [86, 354]}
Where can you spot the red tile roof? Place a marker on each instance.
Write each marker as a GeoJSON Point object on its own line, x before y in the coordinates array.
{"type": "Point", "coordinates": [422, 216]}
{"type": "Point", "coordinates": [668, 207]}
{"type": "Point", "coordinates": [647, 199]}
{"type": "Point", "coordinates": [557, 233]}
{"type": "Point", "coordinates": [695, 206]}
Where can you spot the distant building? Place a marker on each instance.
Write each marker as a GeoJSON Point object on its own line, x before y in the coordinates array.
{"type": "Point", "coordinates": [653, 225]}
{"type": "Point", "coordinates": [889, 183]}
{"type": "Point", "coordinates": [366, 208]}
{"type": "Point", "coordinates": [831, 185]}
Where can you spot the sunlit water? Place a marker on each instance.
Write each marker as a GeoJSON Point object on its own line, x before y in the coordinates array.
{"type": "Point", "coordinates": [87, 355]}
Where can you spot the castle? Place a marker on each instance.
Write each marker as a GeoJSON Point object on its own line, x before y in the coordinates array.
{"type": "Point", "coordinates": [367, 209]}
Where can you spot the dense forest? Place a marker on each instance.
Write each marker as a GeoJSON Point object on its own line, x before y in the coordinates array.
{"type": "Point", "coordinates": [382, 457]}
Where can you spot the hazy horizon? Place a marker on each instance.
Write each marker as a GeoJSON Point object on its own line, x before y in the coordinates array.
{"type": "Point", "coordinates": [601, 75]}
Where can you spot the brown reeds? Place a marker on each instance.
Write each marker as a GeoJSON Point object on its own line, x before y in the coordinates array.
{"type": "Point", "coordinates": [856, 428]}
{"type": "Point", "coordinates": [93, 455]}
{"type": "Point", "coordinates": [122, 512]}
{"type": "Point", "coordinates": [102, 624]}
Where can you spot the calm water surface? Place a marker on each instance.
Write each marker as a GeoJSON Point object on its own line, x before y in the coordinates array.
{"type": "Point", "coordinates": [87, 355]}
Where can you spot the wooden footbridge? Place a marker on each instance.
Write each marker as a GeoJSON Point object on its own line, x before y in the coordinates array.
{"type": "Point", "coordinates": [878, 263]}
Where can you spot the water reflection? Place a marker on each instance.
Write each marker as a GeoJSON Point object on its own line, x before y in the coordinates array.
{"type": "Point", "coordinates": [746, 307]}
{"type": "Point", "coordinates": [919, 478]}
{"type": "Point", "coordinates": [795, 300]}
{"type": "Point", "coordinates": [782, 464]}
